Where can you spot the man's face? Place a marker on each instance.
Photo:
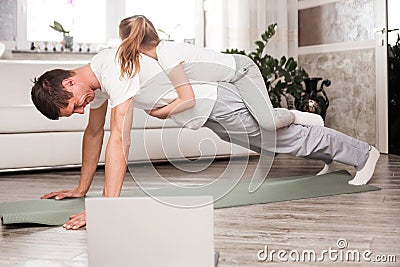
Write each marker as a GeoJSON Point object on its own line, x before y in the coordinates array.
{"type": "Point", "coordinates": [82, 95]}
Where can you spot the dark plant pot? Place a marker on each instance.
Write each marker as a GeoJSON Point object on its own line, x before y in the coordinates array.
{"type": "Point", "coordinates": [314, 100]}
{"type": "Point", "coordinates": [311, 84]}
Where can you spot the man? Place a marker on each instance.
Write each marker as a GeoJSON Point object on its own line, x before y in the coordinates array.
{"type": "Point", "coordinates": [61, 93]}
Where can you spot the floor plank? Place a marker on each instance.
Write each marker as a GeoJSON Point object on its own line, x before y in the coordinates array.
{"type": "Point", "coordinates": [367, 221]}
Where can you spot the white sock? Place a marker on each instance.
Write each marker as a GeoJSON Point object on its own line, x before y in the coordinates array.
{"type": "Point", "coordinates": [365, 174]}
{"type": "Point", "coordinates": [331, 167]}
{"type": "Point", "coordinates": [307, 118]}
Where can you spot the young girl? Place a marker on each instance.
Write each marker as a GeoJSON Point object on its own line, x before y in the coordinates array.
{"type": "Point", "coordinates": [183, 62]}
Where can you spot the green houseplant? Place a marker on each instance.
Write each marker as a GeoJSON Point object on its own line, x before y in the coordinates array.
{"type": "Point", "coordinates": [68, 40]}
{"type": "Point", "coordinates": [282, 76]}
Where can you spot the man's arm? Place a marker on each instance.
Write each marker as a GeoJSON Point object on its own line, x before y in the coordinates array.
{"type": "Point", "coordinates": [118, 148]}
{"type": "Point", "coordinates": [116, 158]}
{"type": "Point", "coordinates": [91, 149]}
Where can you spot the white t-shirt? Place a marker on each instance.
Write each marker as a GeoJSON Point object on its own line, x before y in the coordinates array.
{"type": "Point", "coordinates": [156, 90]}
{"type": "Point", "coordinates": [150, 89]}
{"type": "Point", "coordinates": [112, 87]}
{"type": "Point", "coordinates": [201, 64]}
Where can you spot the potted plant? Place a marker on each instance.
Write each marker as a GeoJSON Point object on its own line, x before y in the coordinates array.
{"type": "Point", "coordinates": [282, 77]}
{"type": "Point", "coordinates": [68, 40]}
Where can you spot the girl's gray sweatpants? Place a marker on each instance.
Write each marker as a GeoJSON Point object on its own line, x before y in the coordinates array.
{"type": "Point", "coordinates": [250, 84]}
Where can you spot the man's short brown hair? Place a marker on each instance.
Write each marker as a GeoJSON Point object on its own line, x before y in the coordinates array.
{"type": "Point", "coordinates": [48, 94]}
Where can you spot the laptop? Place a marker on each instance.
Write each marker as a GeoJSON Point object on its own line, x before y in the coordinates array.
{"type": "Point", "coordinates": [147, 232]}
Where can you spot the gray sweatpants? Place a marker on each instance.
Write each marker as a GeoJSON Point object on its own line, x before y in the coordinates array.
{"type": "Point", "coordinates": [231, 121]}
{"type": "Point", "coordinates": [250, 84]}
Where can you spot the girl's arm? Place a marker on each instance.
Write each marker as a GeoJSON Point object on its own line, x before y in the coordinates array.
{"type": "Point", "coordinates": [185, 100]}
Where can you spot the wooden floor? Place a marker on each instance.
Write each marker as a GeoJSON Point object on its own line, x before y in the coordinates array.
{"type": "Point", "coordinates": [367, 221]}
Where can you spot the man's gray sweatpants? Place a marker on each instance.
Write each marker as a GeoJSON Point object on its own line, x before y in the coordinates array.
{"type": "Point", "coordinates": [231, 120]}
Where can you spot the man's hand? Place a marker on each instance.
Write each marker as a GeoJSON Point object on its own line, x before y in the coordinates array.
{"type": "Point", "coordinates": [76, 221]}
{"type": "Point", "coordinates": [70, 193]}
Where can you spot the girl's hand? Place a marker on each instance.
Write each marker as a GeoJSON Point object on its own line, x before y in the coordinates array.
{"type": "Point", "coordinates": [158, 113]}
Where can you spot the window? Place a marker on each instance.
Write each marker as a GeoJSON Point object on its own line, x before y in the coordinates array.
{"type": "Point", "coordinates": [176, 20]}
{"type": "Point", "coordinates": [86, 20]}
{"type": "Point", "coordinates": [96, 21]}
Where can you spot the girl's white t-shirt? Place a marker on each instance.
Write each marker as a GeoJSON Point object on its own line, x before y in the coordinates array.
{"type": "Point", "coordinates": [156, 90]}
{"type": "Point", "coordinates": [151, 88]}
{"type": "Point", "coordinates": [201, 64]}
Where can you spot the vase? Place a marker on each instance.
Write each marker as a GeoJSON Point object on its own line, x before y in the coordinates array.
{"type": "Point", "coordinates": [314, 100]}
{"type": "Point", "coordinates": [311, 84]}
{"type": "Point", "coordinates": [68, 42]}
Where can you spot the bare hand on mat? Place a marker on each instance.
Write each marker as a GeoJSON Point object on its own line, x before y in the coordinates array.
{"type": "Point", "coordinates": [76, 221]}
{"type": "Point", "coordinates": [69, 193]}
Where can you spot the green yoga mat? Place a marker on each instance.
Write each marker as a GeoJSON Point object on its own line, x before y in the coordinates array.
{"type": "Point", "coordinates": [53, 212]}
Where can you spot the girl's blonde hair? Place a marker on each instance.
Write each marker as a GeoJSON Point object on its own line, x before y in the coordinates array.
{"type": "Point", "coordinates": [137, 33]}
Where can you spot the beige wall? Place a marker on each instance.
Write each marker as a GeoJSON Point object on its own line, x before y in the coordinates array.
{"type": "Point", "coordinates": [352, 94]}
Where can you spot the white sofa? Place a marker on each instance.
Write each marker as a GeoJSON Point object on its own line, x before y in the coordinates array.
{"type": "Point", "coordinates": [29, 140]}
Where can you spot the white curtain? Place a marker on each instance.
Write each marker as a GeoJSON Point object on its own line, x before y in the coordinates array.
{"type": "Point", "coordinates": [239, 23]}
